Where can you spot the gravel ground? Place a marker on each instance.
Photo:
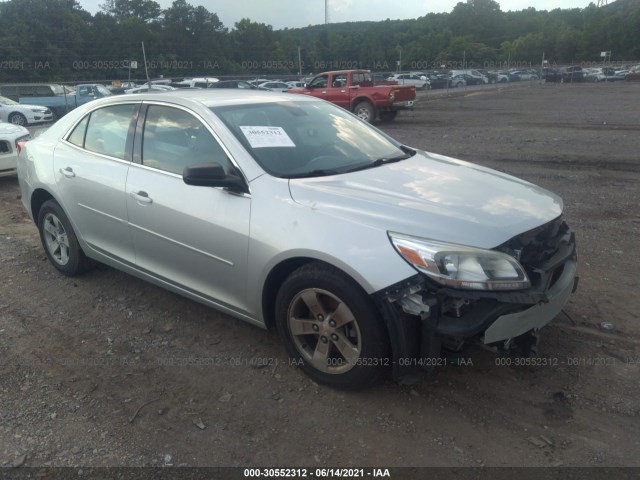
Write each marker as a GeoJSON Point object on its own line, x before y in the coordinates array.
{"type": "Point", "coordinates": [106, 370]}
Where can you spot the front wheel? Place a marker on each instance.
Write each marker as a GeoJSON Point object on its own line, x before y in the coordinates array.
{"type": "Point", "coordinates": [59, 240]}
{"type": "Point", "coordinates": [365, 111]}
{"type": "Point", "coordinates": [330, 327]}
{"type": "Point", "coordinates": [18, 119]}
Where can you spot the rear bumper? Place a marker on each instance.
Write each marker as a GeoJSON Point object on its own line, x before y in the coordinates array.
{"type": "Point", "coordinates": [403, 105]}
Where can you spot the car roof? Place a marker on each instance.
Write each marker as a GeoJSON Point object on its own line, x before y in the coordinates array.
{"type": "Point", "coordinates": [209, 97]}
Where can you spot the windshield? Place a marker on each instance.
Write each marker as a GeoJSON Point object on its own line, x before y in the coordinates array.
{"type": "Point", "coordinates": [306, 139]}
{"type": "Point", "coordinates": [7, 101]}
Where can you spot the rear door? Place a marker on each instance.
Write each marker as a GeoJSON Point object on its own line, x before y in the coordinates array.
{"type": "Point", "coordinates": [91, 166]}
{"type": "Point", "coordinates": [195, 238]}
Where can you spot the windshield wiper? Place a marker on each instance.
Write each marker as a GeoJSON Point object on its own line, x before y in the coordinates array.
{"type": "Point", "coordinates": [315, 173]}
{"type": "Point", "coordinates": [408, 153]}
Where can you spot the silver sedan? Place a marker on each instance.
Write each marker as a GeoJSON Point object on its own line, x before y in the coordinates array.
{"type": "Point", "coordinates": [23, 115]}
{"type": "Point", "coordinates": [286, 211]}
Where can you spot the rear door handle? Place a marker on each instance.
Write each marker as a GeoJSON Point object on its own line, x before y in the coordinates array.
{"type": "Point", "coordinates": [67, 172]}
{"type": "Point", "coordinates": [142, 197]}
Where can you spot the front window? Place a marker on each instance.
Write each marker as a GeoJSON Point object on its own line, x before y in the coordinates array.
{"type": "Point", "coordinates": [306, 139]}
{"type": "Point", "coordinates": [174, 139]}
{"type": "Point", "coordinates": [319, 82]}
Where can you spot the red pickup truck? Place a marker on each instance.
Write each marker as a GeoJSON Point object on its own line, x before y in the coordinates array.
{"type": "Point", "coordinates": [355, 91]}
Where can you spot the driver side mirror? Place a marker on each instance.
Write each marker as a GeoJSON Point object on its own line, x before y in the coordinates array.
{"type": "Point", "coordinates": [212, 175]}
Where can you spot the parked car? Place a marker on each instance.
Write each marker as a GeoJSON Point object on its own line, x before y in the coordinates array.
{"type": "Point", "coordinates": [633, 76]}
{"type": "Point", "coordinates": [201, 82]}
{"type": "Point", "coordinates": [473, 80]}
{"type": "Point", "coordinates": [16, 91]}
{"type": "Point", "coordinates": [60, 105]}
{"type": "Point", "coordinates": [289, 212]}
{"type": "Point", "coordinates": [458, 81]}
{"type": "Point", "coordinates": [501, 77]}
{"type": "Point", "coordinates": [10, 136]}
{"type": "Point", "coordinates": [23, 115]}
{"type": "Point", "coordinates": [492, 77]}
{"type": "Point", "coordinates": [258, 81]}
{"type": "Point", "coordinates": [234, 84]}
{"type": "Point", "coordinates": [151, 89]}
{"type": "Point", "coordinates": [438, 80]}
{"type": "Point", "coordinates": [295, 84]}
{"type": "Point", "coordinates": [525, 75]}
{"type": "Point", "coordinates": [620, 74]}
{"type": "Point", "coordinates": [572, 74]}
{"type": "Point", "coordinates": [275, 86]}
{"type": "Point", "coordinates": [604, 74]}
{"type": "Point", "coordinates": [472, 77]}
{"type": "Point", "coordinates": [419, 81]}
{"type": "Point", "coordinates": [551, 75]}
{"type": "Point", "coordinates": [382, 78]}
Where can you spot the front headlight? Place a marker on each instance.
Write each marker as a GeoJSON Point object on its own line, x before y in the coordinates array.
{"type": "Point", "coordinates": [459, 266]}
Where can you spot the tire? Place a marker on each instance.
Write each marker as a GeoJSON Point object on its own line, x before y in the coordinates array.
{"type": "Point", "coordinates": [322, 313]}
{"type": "Point", "coordinates": [18, 119]}
{"type": "Point", "coordinates": [388, 116]}
{"type": "Point", "coordinates": [59, 240]}
{"type": "Point", "coordinates": [365, 111]}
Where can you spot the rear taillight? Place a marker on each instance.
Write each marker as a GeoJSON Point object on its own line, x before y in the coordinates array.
{"type": "Point", "coordinates": [20, 145]}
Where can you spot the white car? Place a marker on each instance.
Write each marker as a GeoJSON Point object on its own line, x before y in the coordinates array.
{"type": "Point", "coordinates": [275, 86]}
{"type": "Point", "coordinates": [420, 81]}
{"type": "Point", "coordinates": [10, 135]}
{"type": "Point", "coordinates": [23, 115]}
{"type": "Point", "coordinates": [153, 89]}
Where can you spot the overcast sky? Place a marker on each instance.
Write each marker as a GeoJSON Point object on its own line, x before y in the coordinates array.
{"type": "Point", "coordinates": [300, 13]}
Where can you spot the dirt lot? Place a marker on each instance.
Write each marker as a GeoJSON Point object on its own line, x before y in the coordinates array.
{"type": "Point", "coordinates": [106, 370]}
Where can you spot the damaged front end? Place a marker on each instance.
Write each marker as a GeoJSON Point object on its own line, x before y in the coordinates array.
{"type": "Point", "coordinates": [497, 298]}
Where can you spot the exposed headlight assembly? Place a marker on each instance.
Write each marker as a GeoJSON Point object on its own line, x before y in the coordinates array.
{"type": "Point", "coordinates": [459, 266]}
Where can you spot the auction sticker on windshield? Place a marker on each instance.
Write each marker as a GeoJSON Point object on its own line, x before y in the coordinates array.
{"type": "Point", "coordinates": [262, 137]}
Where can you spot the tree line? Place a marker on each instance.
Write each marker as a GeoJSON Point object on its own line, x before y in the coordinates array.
{"type": "Point", "coordinates": [57, 40]}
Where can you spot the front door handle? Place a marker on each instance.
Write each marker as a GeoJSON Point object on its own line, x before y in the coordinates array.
{"type": "Point", "coordinates": [142, 197]}
{"type": "Point", "coordinates": [67, 172]}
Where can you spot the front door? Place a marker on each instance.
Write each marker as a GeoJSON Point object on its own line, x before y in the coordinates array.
{"type": "Point", "coordinates": [195, 238]}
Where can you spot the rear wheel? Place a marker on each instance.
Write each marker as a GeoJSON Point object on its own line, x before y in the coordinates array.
{"type": "Point", "coordinates": [59, 240]}
{"type": "Point", "coordinates": [18, 119]}
{"type": "Point", "coordinates": [330, 327]}
{"type": "Point", "coordinates": [365, 111]}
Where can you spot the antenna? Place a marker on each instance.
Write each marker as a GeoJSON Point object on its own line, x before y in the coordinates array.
{"type": "Point", "coordinates": [326, 11]}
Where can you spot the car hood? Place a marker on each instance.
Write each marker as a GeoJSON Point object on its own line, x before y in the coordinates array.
{"type": "Point", "coordinates": [11, 129]}
{"type": "Point", "coordinates": [435, 197]}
